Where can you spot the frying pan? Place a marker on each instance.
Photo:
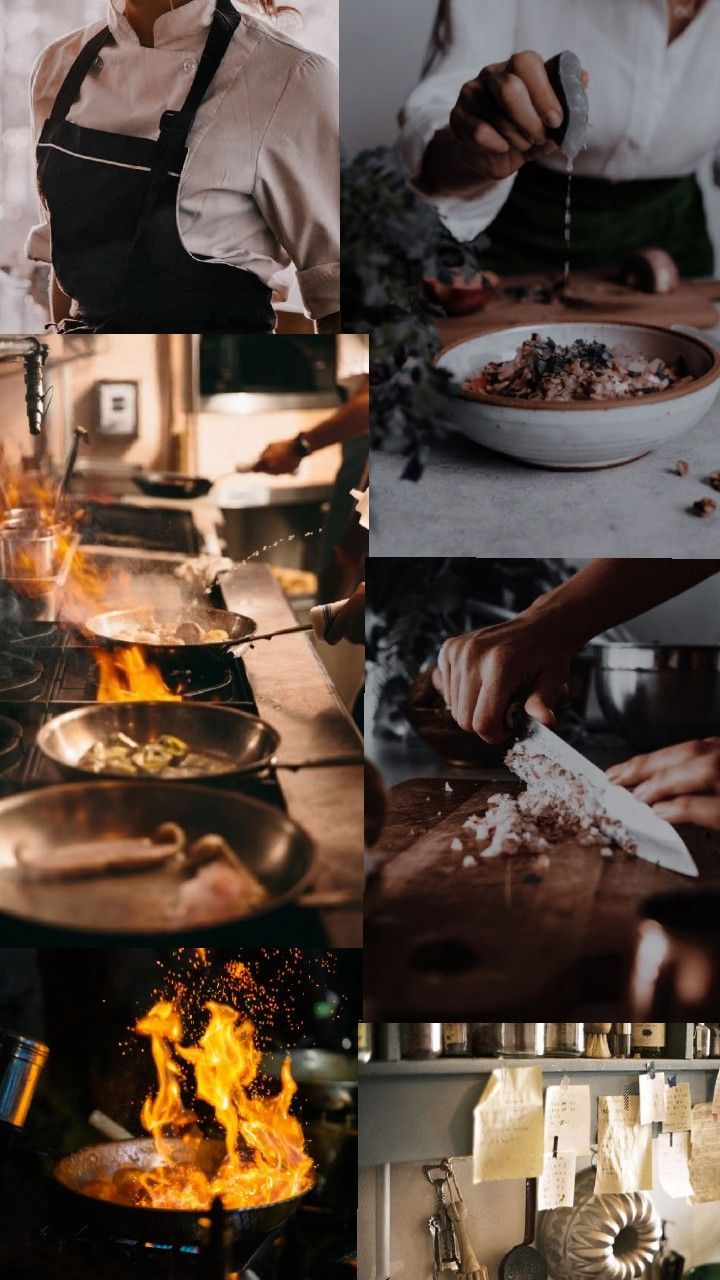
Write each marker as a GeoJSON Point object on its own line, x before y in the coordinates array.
{"type": "Point", "coordinates": [328, 1081]}
{"type": "Point", "coordinates": [107, 626]}
{"type": "Point", "coordinates": [524, 1262]}
{"type": "Point", "coordinates": [244, 742]}
{"type": "Point", "coordinates": [164, 1226]}
{"type": "Point", "coordinates": [168, 484]}
{"type": "Point", "coordinates": [18, 675]}
{"type": "Point", "coordinates": [274, 847]}
{"type": "Point", "coordinates": [247, 743]}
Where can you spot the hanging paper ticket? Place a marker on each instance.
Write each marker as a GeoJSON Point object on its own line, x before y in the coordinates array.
{"type": "Point", "coordinates": [672, 1154]}
{"type": "Point", "coordinates": [508, 1126]}
{"type": "Point", "coordinates": [678, 1108]}
{"type": "Point", "coordinates": [704, 1154]}
{"type": "Point", "coordinates": [624, 1159]}
{"type": "Point", "coordinates": [567, 1118]}
{"type": "Point", "coordinates": [652, 1097]}
{"type": "Point", "coordinates": [556, 1185]}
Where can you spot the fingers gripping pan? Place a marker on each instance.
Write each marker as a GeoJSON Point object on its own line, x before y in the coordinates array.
{"type": "Point", "coordinates": [564, 73]}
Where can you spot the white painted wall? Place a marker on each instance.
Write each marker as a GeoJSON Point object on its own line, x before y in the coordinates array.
{"type": "Point", "coordinates": [496, 1219]}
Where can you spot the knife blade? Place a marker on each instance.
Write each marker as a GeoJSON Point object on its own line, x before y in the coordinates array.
{"type": "Point", "coordinates": [657, 841]}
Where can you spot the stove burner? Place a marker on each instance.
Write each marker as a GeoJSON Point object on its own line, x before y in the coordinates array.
{"type": "Point", "coordinates": [28, 635]}
{"type": "Point", "coordinates": [18, 675]}
{"type": "Point", "coordinates": [10, 744]}
{"type": "Point", "coordinates": [211, 680]}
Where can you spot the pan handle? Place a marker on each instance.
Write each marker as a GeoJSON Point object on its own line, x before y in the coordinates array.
{"type": "Point", "coordinates": [530, 1209]}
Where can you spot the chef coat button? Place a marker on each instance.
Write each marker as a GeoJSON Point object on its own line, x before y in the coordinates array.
{"type": "Point", "coordinates": [189, 65]}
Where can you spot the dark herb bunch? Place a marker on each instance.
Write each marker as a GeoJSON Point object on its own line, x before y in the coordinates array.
{"type": "Point", "coordinates": [391, 239]}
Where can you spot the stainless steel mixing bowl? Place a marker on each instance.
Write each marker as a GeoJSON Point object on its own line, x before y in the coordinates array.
{"type": "Point", "coordinates": [655, 695]}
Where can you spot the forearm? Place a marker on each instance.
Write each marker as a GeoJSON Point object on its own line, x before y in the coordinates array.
{"type": "Point", "coordinates": [608, 592]}
{"type": "Point", "coordinates": [445, 170]}
{"type": "Point", "coordinates": [350, 421]}
{"type": "Point", "coordinates": [60, 304]}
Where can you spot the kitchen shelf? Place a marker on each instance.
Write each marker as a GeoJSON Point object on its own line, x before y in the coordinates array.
{"type": "Point", "coordinates": [482, 1066]}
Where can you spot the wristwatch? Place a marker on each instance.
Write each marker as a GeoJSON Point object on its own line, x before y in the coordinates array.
{"type": "Point", "coordinates": [302, 446]}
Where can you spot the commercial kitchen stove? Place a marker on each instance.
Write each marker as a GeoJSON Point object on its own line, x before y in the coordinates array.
{"type": "Point", "coordinates": [285, 683]}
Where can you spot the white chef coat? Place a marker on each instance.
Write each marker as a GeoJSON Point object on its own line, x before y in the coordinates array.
{"type": "Point", "coordinates": [654, 107]}
{"type": "Point", "coordinates": [260, 187]}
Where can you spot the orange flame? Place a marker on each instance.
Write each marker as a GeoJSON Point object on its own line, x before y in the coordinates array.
{"type": "Point", "coordinates": [265, 1162]}
{"type": "Point", "coordinates": [125, 675]}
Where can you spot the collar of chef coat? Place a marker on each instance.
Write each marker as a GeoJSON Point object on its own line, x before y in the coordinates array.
{"type": "Point", "coordinates": [182, 28]}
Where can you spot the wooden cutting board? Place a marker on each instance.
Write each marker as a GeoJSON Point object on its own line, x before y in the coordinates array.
{"type": "Point", "coordinates": [443, 941]}
{"type": "Point", "coordinates": [692, 303]}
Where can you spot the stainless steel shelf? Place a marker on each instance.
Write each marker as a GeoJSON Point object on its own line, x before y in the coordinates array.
{"type": "Point", "coordinates": [481, 1066]}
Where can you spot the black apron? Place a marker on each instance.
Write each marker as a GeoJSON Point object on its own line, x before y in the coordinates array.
{"type": "Point", "coordinates": [111, 201]}
{"type": "Point", "coordinates": [609, 221]}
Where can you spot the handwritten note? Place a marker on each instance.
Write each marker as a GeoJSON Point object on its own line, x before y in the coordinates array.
{"type": "Point", "coordinates": [508, 1126]}
{"type": "Point", "coordinates": [567, 1118]}
{"type": "Point", "coordinates": [704, 1154]}
{"type": "Point", "coordinates": [556, 1185]}
{"type": "Point", "coordinates": [652, 1097]}
{"type": "Point", "coordinates": [624, 1161]}
{"type": "Point", "coordinates": [678, 1108]}
{"type": "Point", "coordinates": [672, 1154]}
{"type": "Point", "coordinates": [716, 1096]}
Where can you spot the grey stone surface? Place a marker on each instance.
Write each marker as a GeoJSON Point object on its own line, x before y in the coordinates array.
{"type": "Point", "coordinates": [471, 501]}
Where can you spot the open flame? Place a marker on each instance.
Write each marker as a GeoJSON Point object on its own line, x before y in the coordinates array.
{"type": "Point", "coordinates": [125, 675]}
{"type": "Point", "coordinates": [265, 1157]}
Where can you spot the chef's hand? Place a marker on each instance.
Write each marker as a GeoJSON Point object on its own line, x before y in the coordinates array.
{"type": "Point", "coordinates": [500, 117]}
{"type": "Point", "coordinates": [349, 622]}
{"type": "Point", "coordinates": [278, 459]}
{"type": "Point", "coordinates": [681, 783]}
{"type": "Point", "coordinates": [482, 673]}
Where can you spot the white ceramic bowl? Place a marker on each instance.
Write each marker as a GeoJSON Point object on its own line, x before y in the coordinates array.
{"type": "Point", "coordinates": [572, 434]}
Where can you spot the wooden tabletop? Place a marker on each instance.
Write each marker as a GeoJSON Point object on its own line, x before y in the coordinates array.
{"type": "Point", "coordinates": [503, 937]}
{"type": "Point", "coordinates": [594, 298]}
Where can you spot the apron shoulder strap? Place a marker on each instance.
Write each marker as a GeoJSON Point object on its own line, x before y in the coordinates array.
{"type": "Point", "coordinates": [72, 84]}
{"type": "Point", "coordinates": [176, 125]}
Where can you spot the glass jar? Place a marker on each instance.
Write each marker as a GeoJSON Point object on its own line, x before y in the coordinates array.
{"type": "Point", "coordinates": [365, 1041]}
{"type": "Point", "coordinates": [648, 1039]}
{"type": "Point", "coordinates": [521, 1040]}
{"type": "Point", "coordinates": [456, 1039]}
{"type": "Point", "coordinates": [421, 1040]}
{"type": "Point", "coordinates": [565, 1039]}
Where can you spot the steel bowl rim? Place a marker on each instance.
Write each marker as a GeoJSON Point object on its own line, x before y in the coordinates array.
{"type": "Point", "coordinates": [18, 801]}
{"type": "Point", "coordinates": [620, 403]}
{"type": "Point", "coordinates": [95, 709]}
{"type": "Point", "coordinates": [634, 656]}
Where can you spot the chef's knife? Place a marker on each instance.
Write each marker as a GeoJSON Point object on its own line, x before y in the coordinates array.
{"type": "Point", "coordinates": [656, 840]}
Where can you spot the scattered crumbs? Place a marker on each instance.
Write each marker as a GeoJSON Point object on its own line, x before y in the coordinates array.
{"type": "Point", "coordinates": [456, 844]}
{"type": "Point", "coordinates": [703, 507]}
{"type": "Point", "coordinates": [447, 784]}
{"type": "Point", "coordinates": [682, 467]}
{"type": "Point", "coordinates": [714, 480]}
{"type": "Point", "coordinates": [469, 861]}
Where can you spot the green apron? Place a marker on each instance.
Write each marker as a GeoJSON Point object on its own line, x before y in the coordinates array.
{"type": "Point", "coordinates": [609, 221]}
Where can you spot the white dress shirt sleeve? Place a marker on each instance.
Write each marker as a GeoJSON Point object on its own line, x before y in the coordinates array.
{"type": "Point", "coordinates": [297, 181]}
{"type": "Point", "coordinates": [483, 32]}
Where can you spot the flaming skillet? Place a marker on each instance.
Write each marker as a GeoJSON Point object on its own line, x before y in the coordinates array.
{"type": "Point", "coordinates": [164, 1226]}
{"type": "Point", "coordinates": [110, 628]}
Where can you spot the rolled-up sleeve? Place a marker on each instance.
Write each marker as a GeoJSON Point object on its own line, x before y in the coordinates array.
{"type": "Point", "coordinates": [297, 181]}
{"type": "Point", "coordinates": [483, 32]}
